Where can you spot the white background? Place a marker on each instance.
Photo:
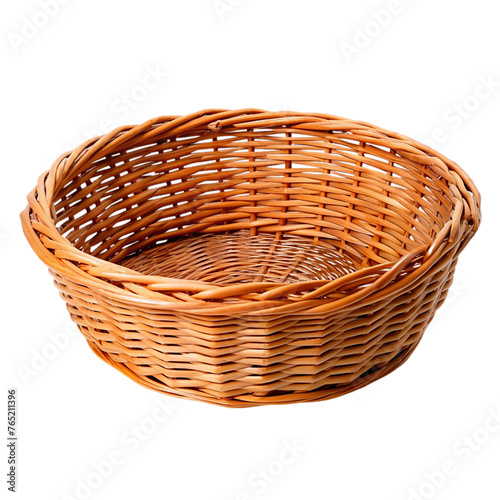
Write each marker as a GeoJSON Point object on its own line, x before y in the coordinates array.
{"type": "Point", "coordinates": [420, 71]}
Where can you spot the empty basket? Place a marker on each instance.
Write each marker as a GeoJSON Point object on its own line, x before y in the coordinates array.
{"type": "Point", "coordinates": [250, 257]}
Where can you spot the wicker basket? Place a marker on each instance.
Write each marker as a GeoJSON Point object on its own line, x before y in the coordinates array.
{"type": "Point", "coordinates": [250, 257]}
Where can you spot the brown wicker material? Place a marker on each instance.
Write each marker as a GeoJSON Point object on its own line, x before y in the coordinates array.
{"type": "Point", "coordinates": [249, 257]}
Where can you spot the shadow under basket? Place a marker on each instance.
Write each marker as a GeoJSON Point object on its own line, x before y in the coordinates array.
{"type": "Point", "coordinates": [248, 257]}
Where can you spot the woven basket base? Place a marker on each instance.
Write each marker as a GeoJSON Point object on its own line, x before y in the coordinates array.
{"type": "Point", "coordinates": [249, 400]}
{"type": "Point", "coordinates": [241, 258]}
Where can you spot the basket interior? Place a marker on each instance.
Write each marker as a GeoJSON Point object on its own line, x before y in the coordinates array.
{"type": "Point", "coordinates": [327, 201]}
{"type": "Point", "coordinates": [240, 258]}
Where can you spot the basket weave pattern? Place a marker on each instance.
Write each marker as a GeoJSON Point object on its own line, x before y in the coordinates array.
{"type": "Point", "coordinates": [250, 257]}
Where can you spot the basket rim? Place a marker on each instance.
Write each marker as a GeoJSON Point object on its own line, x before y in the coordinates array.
{"type": "Point", "coordinates": [101, 275]}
